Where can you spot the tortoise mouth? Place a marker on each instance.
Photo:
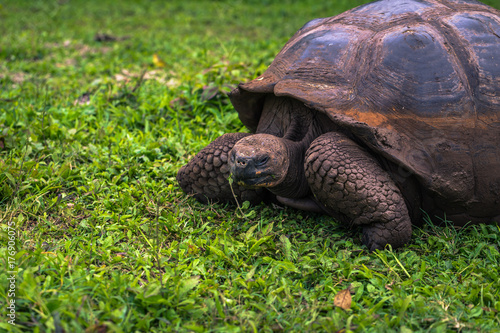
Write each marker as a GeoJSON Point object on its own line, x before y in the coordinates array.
{"type": "Point", "coordinates": [259, 181]}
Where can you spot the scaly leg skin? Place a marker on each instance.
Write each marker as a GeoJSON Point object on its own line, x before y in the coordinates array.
{"type": "Point", "coordinates": [206, 175]}
{"type": "Point", "coordinates": [348, 180]}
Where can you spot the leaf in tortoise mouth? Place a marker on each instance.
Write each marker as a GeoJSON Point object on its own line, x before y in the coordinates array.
{"type": "Point", "coordinates": [343, 299]}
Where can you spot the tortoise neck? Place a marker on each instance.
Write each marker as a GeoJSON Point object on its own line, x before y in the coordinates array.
{"type": "Point", "coordinates": [297, 140]}
{"type": "Point", "coordinates": [294, 184]}
{"type": "Point", "coordinates": [285, 117]}
{"type": "Point", "coordinates": [297, 125]}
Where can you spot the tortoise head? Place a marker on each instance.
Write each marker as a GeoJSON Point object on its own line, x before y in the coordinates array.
{"type": "Point", "coordinates": [259, 160]}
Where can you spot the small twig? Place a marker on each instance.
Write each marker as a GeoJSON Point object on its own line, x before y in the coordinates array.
{"type": "Point", "coordinates": [138, 84]}
{"type": "Point", "coordinates": [234, 195]}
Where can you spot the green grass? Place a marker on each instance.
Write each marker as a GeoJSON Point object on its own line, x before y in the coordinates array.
{"type": "Point", "coordinates": [106, 240]}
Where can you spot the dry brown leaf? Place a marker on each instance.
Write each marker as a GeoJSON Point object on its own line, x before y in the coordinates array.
{"type": "Point", "coordinates": [343, 299]}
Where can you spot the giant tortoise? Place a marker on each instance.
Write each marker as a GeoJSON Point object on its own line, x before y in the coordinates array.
{"type": "Point", "coordinates": [371, 116]}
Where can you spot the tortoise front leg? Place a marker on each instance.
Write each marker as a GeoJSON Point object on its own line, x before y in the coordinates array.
{"type": "Point", "coordinates": [206, 175]}
{"type": "Point", "coordinates": [346, 179]}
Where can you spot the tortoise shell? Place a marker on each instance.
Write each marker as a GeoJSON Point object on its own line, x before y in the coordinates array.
{"type": "Point", "coordinates": [417, 81]}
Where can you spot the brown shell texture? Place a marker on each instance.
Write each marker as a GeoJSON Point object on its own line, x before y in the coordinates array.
{"type": "Point", "coordinates": [418, 81]}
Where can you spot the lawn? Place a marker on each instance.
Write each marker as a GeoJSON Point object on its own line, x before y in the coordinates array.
{"type": "Point", "coordinates": [101, 102]}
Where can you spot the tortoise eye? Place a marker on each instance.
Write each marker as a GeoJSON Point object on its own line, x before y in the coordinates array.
{"type": "Point", "coordinates": [262, 161]}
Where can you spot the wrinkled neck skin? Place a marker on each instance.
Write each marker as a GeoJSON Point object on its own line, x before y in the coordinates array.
{"type": "Point", "coordinates": [294, 185]}
{"type": "Point", "coordinates": [298, 126]}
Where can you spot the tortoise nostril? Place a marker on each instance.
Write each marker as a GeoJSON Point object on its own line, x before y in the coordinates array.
{"type": "Point", "coordinates": [240, 161]}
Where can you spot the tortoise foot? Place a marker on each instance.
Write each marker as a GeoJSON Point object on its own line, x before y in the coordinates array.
{"type": "Point", "coordinates": [348, 181]}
